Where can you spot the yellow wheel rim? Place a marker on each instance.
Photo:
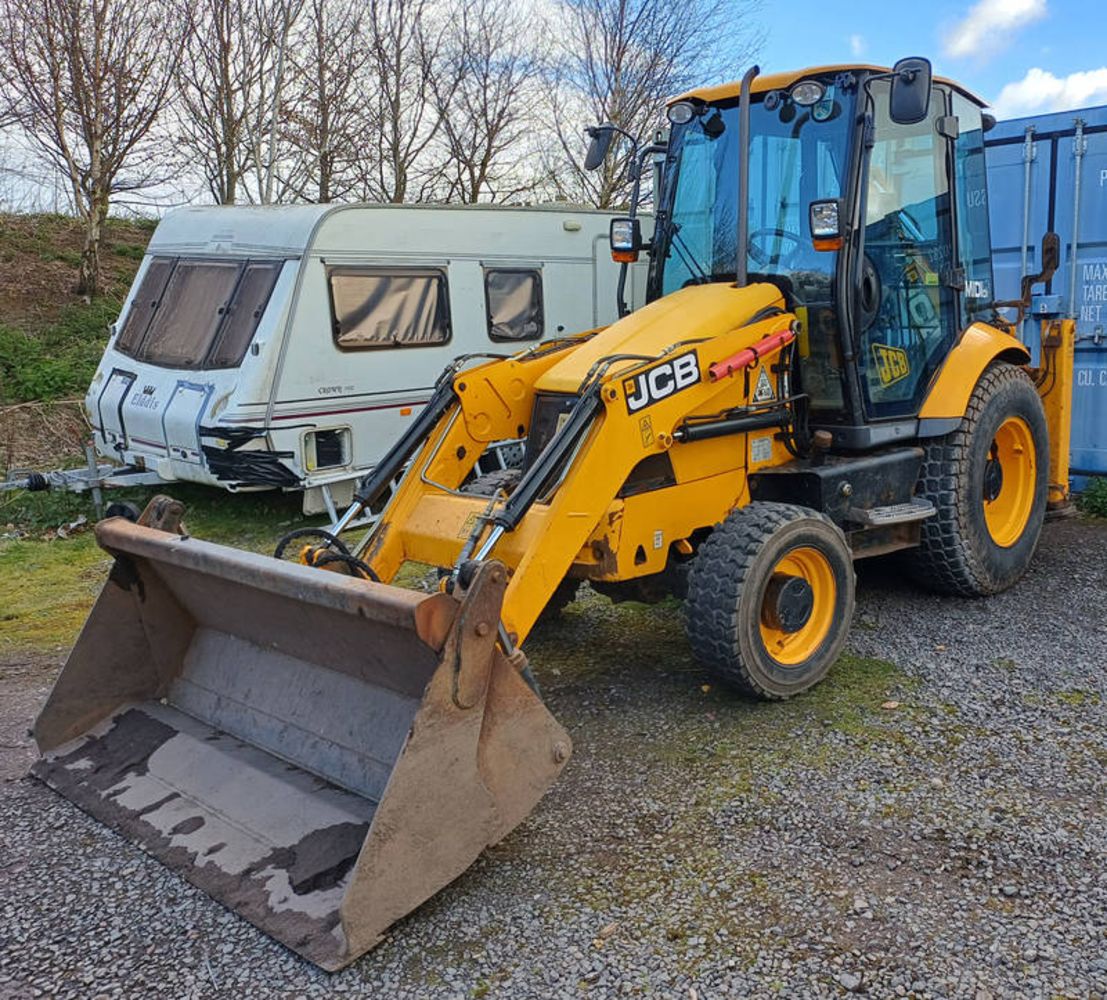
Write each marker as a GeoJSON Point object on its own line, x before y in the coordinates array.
{"type": "Point", "coordinates": [785, 642]}
{"type": "Point", "coordinates": [1009, 480]}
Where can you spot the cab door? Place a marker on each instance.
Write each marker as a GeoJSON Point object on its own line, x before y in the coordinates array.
{"type": "Point", "coordinates": [908, 314]}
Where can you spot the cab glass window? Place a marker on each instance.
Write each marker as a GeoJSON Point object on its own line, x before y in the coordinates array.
{"type": "Point", "coordinates": [907, 319]}
{"type": "Point", "coordinates": [513, 297]}
{"type": "Point", "coordinates": [388, 307]}
{"type": "Point", "coordinates": [974, 242]}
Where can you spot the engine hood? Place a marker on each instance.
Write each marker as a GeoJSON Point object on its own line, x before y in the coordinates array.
{"type": "Point", "coordinates": [698, 312]}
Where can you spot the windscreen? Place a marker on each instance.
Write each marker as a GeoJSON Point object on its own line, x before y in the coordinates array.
{"type": "Point", "coordinates": [797, 155]}
{"type": "Point", "coordinates": [193, 313]}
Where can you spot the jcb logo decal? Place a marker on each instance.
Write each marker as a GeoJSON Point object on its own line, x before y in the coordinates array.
{"type": "Point", "coordinates": [891, 363]}
{"type": "Point", "coordinates": [661, 381]}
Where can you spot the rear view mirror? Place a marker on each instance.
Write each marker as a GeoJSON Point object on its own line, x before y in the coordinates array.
{"type": "Point", "coordinates": [910, 98]}
{"type": "Point", "coordinates": [600, 144]}
{"type": "Point", "coordinates": [823, 218]}
{"type": "Point", "coordinates": [626, 240]}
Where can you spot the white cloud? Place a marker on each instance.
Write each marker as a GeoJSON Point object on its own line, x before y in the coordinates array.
{"type": "Point", "coordinates": [1041, 91]}
{"type": "Point", "coordinates": [988, 25]}
{"type": "Point", "coordinates": [857, 45]}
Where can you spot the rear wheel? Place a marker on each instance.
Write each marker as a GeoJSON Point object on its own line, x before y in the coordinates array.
{"type": "Point", "coordinates": [988, 482]}
{"type": "Point", "coordinates": [770, 599]}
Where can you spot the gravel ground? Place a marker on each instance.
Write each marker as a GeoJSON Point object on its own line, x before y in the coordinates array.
{"type": "Point", "coordinates": [929, 822]}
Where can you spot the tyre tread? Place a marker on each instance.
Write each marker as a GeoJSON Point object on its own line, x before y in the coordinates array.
{"type": "Point", "coordinates": [716, 576]}
{"type": "Point", "coordinates": [945, 559]}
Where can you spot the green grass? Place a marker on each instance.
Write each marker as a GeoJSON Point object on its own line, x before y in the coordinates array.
{"type": "Point", "coordinates": [1094, 498]}
{"type": "Point", "coordinates": [46, 590]}
{"type": "Point", "coordinates": [47, 585]}
{"type": "Point", "coordinates": [51, 340]}
{"type": "Point", "coordinates": [60, 361]}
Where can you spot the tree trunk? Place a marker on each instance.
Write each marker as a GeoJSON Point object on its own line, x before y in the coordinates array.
{"type": "Point", "coordinates": [88, 274]}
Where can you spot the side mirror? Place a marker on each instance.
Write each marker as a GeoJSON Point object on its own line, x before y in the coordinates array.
{"type": "Point", "coordinates": [910, 97]}
{"type": "Point", "coordinates": [601, 136]}
{"type": "Point", "coordinates": [626, 240]}
{"type": "Point", "coordinates": [824, 219]}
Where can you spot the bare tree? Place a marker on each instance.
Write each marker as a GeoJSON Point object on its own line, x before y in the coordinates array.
{"type": "Point", "coordinates": [485, 97]}
{"type": "Point", "coordinates": [324, 118]}
{"type": "Point", "coordinates": [87, 81]}
{"type": "Point", "coordinates": [406, 53]}
{"type": "Point", "coordinates": [225, 58]}
{"type": "Point", "coordinates": [275, 20]}
{"type": "Point", "coordinates": [622, 59]}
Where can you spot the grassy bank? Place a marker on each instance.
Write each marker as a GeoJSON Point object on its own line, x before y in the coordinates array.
{"type": "Point", "coordinates": [48, 583]}
{"type": "Point", "coordinates": [51, 338]}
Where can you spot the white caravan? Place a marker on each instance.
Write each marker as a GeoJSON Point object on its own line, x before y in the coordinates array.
{"type": "Point", "coordinates": [288, 347]}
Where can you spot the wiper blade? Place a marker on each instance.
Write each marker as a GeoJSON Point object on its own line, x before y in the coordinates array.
{"type": "Point", "coordinates": [701, 276]}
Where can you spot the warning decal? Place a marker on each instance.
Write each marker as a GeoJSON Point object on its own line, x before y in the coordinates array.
{"type": "Point", "coordinates": [763, 392]}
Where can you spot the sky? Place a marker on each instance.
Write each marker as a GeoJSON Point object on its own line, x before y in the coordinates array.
{"type": "Point", "coordinates": [1023, 56]}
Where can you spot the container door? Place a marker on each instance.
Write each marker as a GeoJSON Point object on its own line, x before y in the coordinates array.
{"type": "Point", "coordinates": [1086, 289]}
{"type": "Point", "coordinates": [181, 421]}
{"type": "Point", "coordinates": [1006, 197]}
{"type": "Point", "coordinates": [109, 409]}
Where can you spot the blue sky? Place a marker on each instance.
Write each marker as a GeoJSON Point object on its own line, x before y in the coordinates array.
{"type": "Point", "coordinates": [1050, 55]}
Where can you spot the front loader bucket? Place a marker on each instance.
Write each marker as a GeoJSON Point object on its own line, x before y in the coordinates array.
{"type": "Point", "coordinates": [319, 753]}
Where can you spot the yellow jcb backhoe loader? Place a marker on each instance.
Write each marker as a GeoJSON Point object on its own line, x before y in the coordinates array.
{"type": "Point", "coordinates": [820, 377]}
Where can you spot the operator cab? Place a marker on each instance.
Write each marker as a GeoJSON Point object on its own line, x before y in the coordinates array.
{"type": "Point", "coordinates": [875, 230]}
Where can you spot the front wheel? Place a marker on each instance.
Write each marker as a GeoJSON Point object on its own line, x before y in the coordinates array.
{"type": "Point", "coordinates": [770, 599]}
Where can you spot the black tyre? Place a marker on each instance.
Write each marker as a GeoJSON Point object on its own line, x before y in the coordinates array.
{"type": "Point", "coordinates": [770, 599]}
{"type": "Point", "coordinates": [989, 482]}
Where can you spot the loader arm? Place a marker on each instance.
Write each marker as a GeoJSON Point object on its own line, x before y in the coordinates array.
{"type": "Point", "coordinates": [567, 516]}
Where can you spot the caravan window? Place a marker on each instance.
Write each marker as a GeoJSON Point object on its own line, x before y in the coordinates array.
{"type": "Point", "coordinates": [197, 313]}
{"type": "Point", "coordinates": [144, 304]}
{"type": "Point", "coordinates": [190, 311]}
{"type": "Point", "coordinates": [243, 314]}
{"type": "Point", "coordinates": [514, 300]}
{"type": "Point", "coordinates": [388, 307]}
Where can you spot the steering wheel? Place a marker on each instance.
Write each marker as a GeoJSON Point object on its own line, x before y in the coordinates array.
{"type": "Point", "coordinates": [763, 257]}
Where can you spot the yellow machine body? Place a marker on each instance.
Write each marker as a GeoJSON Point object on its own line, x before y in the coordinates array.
{"type": "Point", "coordinates": [324, 752]}
{"type": "Point", "coordinates": [587, 529]}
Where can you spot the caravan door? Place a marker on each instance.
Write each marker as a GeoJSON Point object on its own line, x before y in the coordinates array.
{"type": "Point", "coordinates": [181, 421]}
{"type": "Point", "coordinates": [109, 406]}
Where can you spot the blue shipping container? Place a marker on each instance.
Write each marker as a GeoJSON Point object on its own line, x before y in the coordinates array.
{"type": "Point", "coordinates": [1049, 172]}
